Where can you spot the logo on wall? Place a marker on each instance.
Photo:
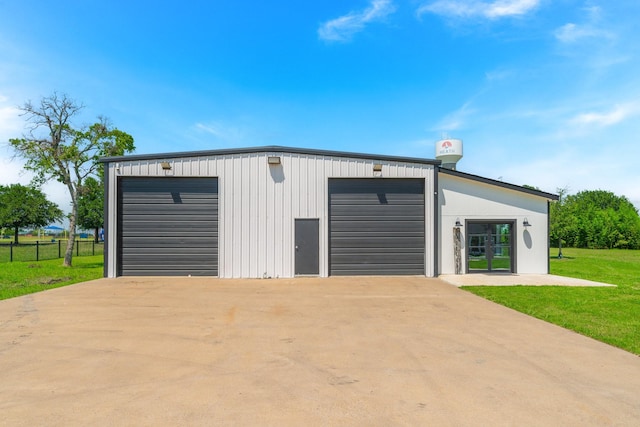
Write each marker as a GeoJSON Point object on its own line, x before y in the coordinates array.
{"type": "Point", "coordinates": [446, 144]}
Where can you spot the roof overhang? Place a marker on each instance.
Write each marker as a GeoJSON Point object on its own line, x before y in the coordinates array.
{"type": "Point", "coordinates": [271, 149]}
{"type": "Point", "coordinates": [532, 191]}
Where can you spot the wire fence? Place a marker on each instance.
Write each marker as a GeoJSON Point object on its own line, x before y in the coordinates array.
{"type": "Point", "coordinates": [49, 249]}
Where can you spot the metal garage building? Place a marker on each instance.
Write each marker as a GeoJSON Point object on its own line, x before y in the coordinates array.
{"type": "Point", "coordinates": [281, 212]}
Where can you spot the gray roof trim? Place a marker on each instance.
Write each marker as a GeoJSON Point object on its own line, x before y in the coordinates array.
{"type": "Point", "coordinates": [270, 149]}
{"type": "Point", "coordinates": [489, 181]}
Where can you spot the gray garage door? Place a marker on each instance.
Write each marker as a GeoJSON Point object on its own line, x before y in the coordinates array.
{"type": "Point", "coordinates": [168, 226]}
{"type": "Point", "coordinates": [376, 226]}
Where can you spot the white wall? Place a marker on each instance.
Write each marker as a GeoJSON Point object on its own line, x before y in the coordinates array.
{"type": "Point", "coordinates": [258, 204]}
{"type": "Point", "coordinates": [462, 198]}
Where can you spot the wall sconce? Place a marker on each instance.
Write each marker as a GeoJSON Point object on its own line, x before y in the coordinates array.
{"type": "Point", "coordinates": [165, 166]}
{"type": "Point", "coordinates": [273, 160]}
{"type": "Point", "coordinates": [377, 167]}
{"type": "Point", "coordinates": [526, 222]}
{"type": "Point", "coordinates": [458, 223]}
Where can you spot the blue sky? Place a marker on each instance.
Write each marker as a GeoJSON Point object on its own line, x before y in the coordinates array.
{"type": "Point", "coordinates": [544, 93]}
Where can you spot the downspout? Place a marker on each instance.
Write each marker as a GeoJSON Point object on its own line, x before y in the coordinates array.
{"type": "Point", "coordinates": [436, 222]}
{"type": "Point", "coordinates": [548, 237]}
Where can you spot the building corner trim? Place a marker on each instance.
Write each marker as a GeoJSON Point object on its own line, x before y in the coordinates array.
{"type": "Point", "coordinates": [436, 221]}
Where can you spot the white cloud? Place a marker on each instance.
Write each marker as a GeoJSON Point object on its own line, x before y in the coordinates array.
{"type": "Point", "coordinates": [571, 33]}
{"type": "Point", "coordinates": [221, 131]}
{"type": "Point", "coordinates": [591, 28]}
{"type": "Point", "coordinates": [344, 27]}
{"type": "Point", "coordinates": [616, 115]}
{"type": "Point", "coordinates": [456, 119]}
{"type": "Point", "coordinates": [472, 9]}
{"type": "Point", "coordinates": [499, 74]}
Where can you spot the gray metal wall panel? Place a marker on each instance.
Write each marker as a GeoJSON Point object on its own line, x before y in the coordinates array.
{"type": "Point", "coordinates": [377, 226]}
{"type": "Point", "coordinates": [168, 226]}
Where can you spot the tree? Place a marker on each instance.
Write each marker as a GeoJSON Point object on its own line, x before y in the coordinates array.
{"type": "Point", "coordinates": [53, 148]}
{"type": "Point", "coordinates": [22, 206]}
{"type": "Point", "coordinates": [558, 219]}
{"type": "Point", "coordinates": [595, 219]}
{"type": "Point", "coordinates": [91, 206]}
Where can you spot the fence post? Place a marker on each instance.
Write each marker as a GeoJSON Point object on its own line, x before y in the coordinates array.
{"type": "Point", "coordinates": [10, 251]}
{"type": "Point", "coordinates": [37, 250]}
{"type": "Point", "coordinates": [93, 247]}
{"type": "Point", "coordinates": [77, 247]}
{"type": "Point", "coordinates": [59, 248]}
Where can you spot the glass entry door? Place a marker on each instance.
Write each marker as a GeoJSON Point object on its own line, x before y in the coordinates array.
{"type": "Point", "coordinates": [489, 247]}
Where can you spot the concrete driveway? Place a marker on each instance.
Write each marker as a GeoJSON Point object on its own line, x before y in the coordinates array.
{"type": "Point", "coordinates": [354, 351]}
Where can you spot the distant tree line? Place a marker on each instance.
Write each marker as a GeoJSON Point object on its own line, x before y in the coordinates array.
{"type": "Point", "coordinates": [25, 206]}
{"type": "Point", "coordinates": [594, 219]}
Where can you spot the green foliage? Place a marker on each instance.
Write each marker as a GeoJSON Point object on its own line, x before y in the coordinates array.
{"type": "Point", "coordinates": [606, 314]}
{"type": "Point", "coordinates": [53, 148]}
{"type": "Point", "coordinates": [595, 219]}
{"type": "Point", "coordinates": [91, 205]}
{"type": "Point", "coordinates": [21, 278]}
{"type": "Point", "coordinates": [531, 187]}
{"type": "Point", "coordinates": [22, 206]}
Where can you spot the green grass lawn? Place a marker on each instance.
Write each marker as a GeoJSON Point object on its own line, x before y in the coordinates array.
{"type": "Point", "coordinates": [611, 315]}
{"type": "Point", "coordinates": [20, 278]}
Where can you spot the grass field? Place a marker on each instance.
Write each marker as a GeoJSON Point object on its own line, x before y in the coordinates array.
{"type": "Point", "coordinates": [21, 278]}
{"type": "Point", "coordinates": [611, 315]}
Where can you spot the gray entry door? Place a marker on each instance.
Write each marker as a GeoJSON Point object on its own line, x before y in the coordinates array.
{"type": "Point", "coordinates": [490, 246]}
{"type": "Point", "coordinates": [307, 246]}
{"type": "Point", "coordinates": [167, 226]}
{"type": "Point", "coordinates": [376, 226]}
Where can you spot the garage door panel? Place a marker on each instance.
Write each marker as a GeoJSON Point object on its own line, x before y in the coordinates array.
{"type": "Point", "coordinates": [179, 261]}
{"type": "Point", "coordinates": [376, 250]}
{"type": "Point", "coordinates": [190, 209]}
{"type": "Point", "coordinates": [377, 259]}
{"type": "Point", "coordinates": [161, 229]}
{"type": "Point", "coordinates": [193, 270]}
{"type": "Point", "coordinates": [376, 226]}
{"type": "Point", "coordinates": [168, 226]}
{"type": "Point", "coordinates": [371, 226]}
{"type": "Point", "coordinates": [358, 270]}
{"type": "Point", "coordinates": [364, 186]}
{"type": "Point", "coordinates": [390, 270]}
{"type": "Point", "coordinates": [170, 251]}
{"type": "Point", "coordinates": [142, 242]}
{"type": "Point", "coordinates": [378, 214]}
{"type": "Point", "coordinates": [172, 218]}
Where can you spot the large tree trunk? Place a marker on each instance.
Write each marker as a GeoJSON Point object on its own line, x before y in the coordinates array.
{"type": "Point", "coordinates": [96, 233]}
{"type": "Point", "coordinates": [15, 235]}
{"type": "Point", "coordinates": [68, 255]}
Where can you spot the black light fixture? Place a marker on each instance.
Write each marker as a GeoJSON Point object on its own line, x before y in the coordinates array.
{"type": "Point", "coordinates": [526, 222]}
{"type": "Point", "coordinates": [458, 223]}
{"type": "Point", "coordinates": [273, 160]}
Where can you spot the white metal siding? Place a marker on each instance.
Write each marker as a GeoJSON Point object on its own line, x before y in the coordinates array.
{"type": "Point", "coordinates": [258, 204]}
